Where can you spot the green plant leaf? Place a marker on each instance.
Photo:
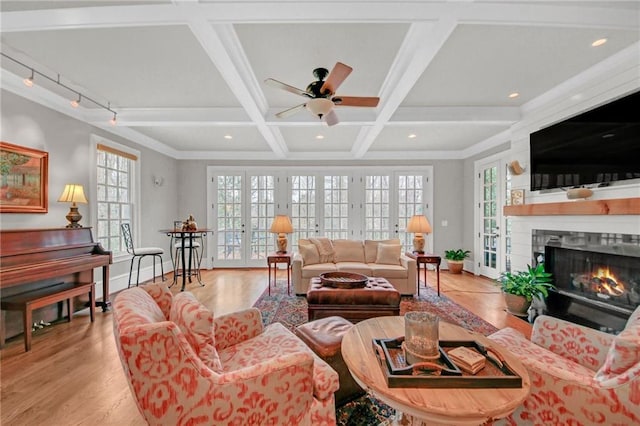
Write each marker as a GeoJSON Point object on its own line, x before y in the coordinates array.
{"type": "Point", "coordinates": [457, 254]}
{"type": "Point", "coordinates": [530, 283]}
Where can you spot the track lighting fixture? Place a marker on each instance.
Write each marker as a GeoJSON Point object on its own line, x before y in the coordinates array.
{"type": "Point", "coordinates": [29, 80]}
{"type": "Point", "coordinates": [74, 103]}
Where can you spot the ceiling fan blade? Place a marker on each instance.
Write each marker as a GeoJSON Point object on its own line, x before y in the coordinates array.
{"type": "Point", "coordinates": [289, 112]}
{"type": "Point", "coordinates": [356, 101]}
{"type": "Point", "coordinates": [337, 75]}
{"type": "Point", "coordinates": [331, 118]}
{"type": "Point", "coordinates": [280, 85]}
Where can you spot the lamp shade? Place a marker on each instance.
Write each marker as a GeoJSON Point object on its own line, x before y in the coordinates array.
{"type": "Point", "coordinates": [73, 193]}
{"type": "Point", "coordinates": [319, 106]}
{"type": "Point", "coordinates": [281, 225]}
{"type": "Point", "coordinates": [419, 224]}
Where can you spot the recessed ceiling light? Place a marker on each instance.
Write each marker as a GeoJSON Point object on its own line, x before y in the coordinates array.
{"type": "Point", "coordinates": [412, 136]}
{"type": "Point", "coordinates": [319, 136]}
{"type": "Point", "coordinates": [514, 95]}
{"type": "Point", "coordinates": [228, 137]}
{"type": "Point", "coordinates": [599, 42]}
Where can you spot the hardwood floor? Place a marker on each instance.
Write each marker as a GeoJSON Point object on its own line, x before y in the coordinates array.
{"type": "Point", "coordinates": [73, 375]}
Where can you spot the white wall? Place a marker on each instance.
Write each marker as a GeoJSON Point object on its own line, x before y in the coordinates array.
{"type": "Point", "coordinates": [67, 141]}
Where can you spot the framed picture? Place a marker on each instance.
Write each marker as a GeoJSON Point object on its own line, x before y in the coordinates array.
{"type": "Point", "coordinates": [23, 179]}
{"type": "Point", "coordinates": [517, 197]}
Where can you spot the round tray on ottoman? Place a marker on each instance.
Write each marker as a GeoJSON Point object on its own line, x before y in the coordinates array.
{"type": "Point", "coordinates": [343, 280]}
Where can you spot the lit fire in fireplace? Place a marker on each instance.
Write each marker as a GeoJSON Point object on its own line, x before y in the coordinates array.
{"type": "Point", "coordinates": [602, 282]}
{"type": "Point", "coordinates": [608, 282]}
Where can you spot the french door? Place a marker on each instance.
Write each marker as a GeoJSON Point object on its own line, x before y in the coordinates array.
{"type": "Point", "coordinates": [489, 178]}
{"type": "Point", "coordinates": [337, 203]}
{"type": "Point", "coordinates": [243, 208]}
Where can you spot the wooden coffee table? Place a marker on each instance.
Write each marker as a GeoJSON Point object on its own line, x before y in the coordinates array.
{"type": "Point", "coordinates": [459, 406]}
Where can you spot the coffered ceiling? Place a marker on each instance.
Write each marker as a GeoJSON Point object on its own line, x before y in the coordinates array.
{"type": "Point", "coordinates": [186, 77]}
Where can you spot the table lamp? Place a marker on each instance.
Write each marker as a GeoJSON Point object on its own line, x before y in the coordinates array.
{"type": "Point", "coordinates": [73, 194]}
{"type": "Point", "coordinates": [419, 225]}
{"type": "Point", "coordinates": [282, 225]}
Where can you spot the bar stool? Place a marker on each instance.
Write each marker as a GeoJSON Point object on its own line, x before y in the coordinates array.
{"type": "Point", "coordinates": [140, 253]}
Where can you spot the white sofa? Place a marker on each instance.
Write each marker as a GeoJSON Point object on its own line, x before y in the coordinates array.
{"type": "Point", "coordinates": [372, 258]}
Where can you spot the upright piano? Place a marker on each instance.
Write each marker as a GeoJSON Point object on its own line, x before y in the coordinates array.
{"type": "Point", "coordinates": [31, 259]}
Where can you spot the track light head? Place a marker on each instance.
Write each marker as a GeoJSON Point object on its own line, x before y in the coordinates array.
{"type": "Point", "coordinates": [29, 80]}
{"type": "Point", "coordinates": [76, 102]}
{"type": "Point", "coordinates": [113, 121]}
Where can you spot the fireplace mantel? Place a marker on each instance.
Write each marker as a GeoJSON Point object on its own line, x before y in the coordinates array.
{"type": "Point", "coordinates": [618, 206]}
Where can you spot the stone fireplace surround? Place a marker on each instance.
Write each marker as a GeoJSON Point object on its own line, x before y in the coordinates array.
{"type": "Point", "coordinates": [597, 275]}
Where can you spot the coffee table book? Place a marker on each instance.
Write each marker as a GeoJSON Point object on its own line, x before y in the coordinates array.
{"type": "Point", "coordinates": [467, 359]}
{"type": "Point", "coordinates": [398, 374]}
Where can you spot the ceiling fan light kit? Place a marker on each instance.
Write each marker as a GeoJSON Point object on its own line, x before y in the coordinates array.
{"type": "Point", "coordinates": [319, 106]}
{"type": "Point", "coordinates": [321, 94]}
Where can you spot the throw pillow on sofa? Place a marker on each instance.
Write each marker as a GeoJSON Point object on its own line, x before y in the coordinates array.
{"type": "Point", "coordinates": [388, 254]}
{"type": "Point", "coordinates": [371, 248]}
{"type": "Point", "coordinates": [196, 322]}
{"type": "Point", "coordinates": [325, 249]}
{"type": "Point", "coordinates": [309, 253]}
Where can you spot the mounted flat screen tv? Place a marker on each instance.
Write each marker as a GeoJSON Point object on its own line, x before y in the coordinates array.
{"type": "Point", "coordinates": [596, 147]}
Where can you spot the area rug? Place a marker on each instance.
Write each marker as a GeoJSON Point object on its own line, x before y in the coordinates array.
{"type": "Point", "coordinates": [291, 311]}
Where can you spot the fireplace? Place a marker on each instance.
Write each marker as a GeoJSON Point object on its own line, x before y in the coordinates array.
{"type": "Point", "coordinates": [597, 278]}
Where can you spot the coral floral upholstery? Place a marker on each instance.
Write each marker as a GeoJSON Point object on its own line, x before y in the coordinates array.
{"type": "Point", "coordinates": [579, 376]}
{"type": "Point", "coordinates": [267, 376]}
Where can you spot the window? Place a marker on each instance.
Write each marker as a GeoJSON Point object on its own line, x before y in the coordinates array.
{"type": "Point", "coordinates": [336, 207]}
{"type": "Point", "coordinates": [376, 204]}
{"type": "Point", "coordinates": [114, 194]}
{"type": "Point", "coordinates": [303, 207]}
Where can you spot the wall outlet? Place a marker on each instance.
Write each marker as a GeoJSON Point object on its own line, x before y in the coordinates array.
{"type": "Point", "coordinates": [444, 223]}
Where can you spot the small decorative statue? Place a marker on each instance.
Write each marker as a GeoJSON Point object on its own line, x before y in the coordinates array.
{"type": "Point", "coordinates": [189, 224]}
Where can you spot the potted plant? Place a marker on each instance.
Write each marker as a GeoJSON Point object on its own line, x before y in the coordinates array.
{"type": "Point", "coordinates": [519, 288]}
{"type": "Point", "coordinates": [455, 259]}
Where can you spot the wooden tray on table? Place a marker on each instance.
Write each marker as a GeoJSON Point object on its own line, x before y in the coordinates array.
{"type": "Point", "coordinates": [496, 373]}
{"type": "Point", "coordinates": [343, 280]}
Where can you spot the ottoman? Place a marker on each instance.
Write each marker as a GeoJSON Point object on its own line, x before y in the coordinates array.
{"type": "Point", "coordinates": [324, 337]}
{"type": "Point", "coordinates": [379, 298]}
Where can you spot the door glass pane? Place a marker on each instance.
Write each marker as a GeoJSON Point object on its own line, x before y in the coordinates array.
{"type": "Point", "coordinates": [262, 207]}
{"type": "Point", "coordinates": [376, 207]}
{"type": "Point", "coordinates": [490, 207]}
{"type": "Point", "coordinates": [410, 202]}
{"type": "Point", "coordinates": [336, 207]}
{"type": "Point", "coordinates": [229, 217]}
{"type": "Point", "coordinates": [303, 208]}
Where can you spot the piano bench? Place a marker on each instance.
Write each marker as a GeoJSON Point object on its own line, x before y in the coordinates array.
{"type": "Point", "coordinates": [30, 300]}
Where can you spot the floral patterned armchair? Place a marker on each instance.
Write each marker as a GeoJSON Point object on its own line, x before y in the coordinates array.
{"type": "Point", "coordinates": [185, 367]}
{"type": "Point", "coordinates": [579, 376]}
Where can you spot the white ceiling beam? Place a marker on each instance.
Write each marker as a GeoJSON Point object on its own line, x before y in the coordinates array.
{"type": "Point", "coordinates": [447, 114]}
{"type": "Point", "coordinates": [181, 117]}
{"type": "Point", "coordinates": [421, 44]}
{"type": "Point", "coordinates": [236, 116]}
{"type": "Point", "coordinates": [229, 65]}
{"type": "Point", "coordinates": [496, 13]}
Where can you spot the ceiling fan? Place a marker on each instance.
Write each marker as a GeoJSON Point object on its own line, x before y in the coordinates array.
{"type": "Point", "coordinates": [321, 94]}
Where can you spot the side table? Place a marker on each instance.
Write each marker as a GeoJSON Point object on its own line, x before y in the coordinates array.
{"type": "Point", "coordinates": [424, 259]}
{"type": "Point", "coordinates": [274, 259]}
